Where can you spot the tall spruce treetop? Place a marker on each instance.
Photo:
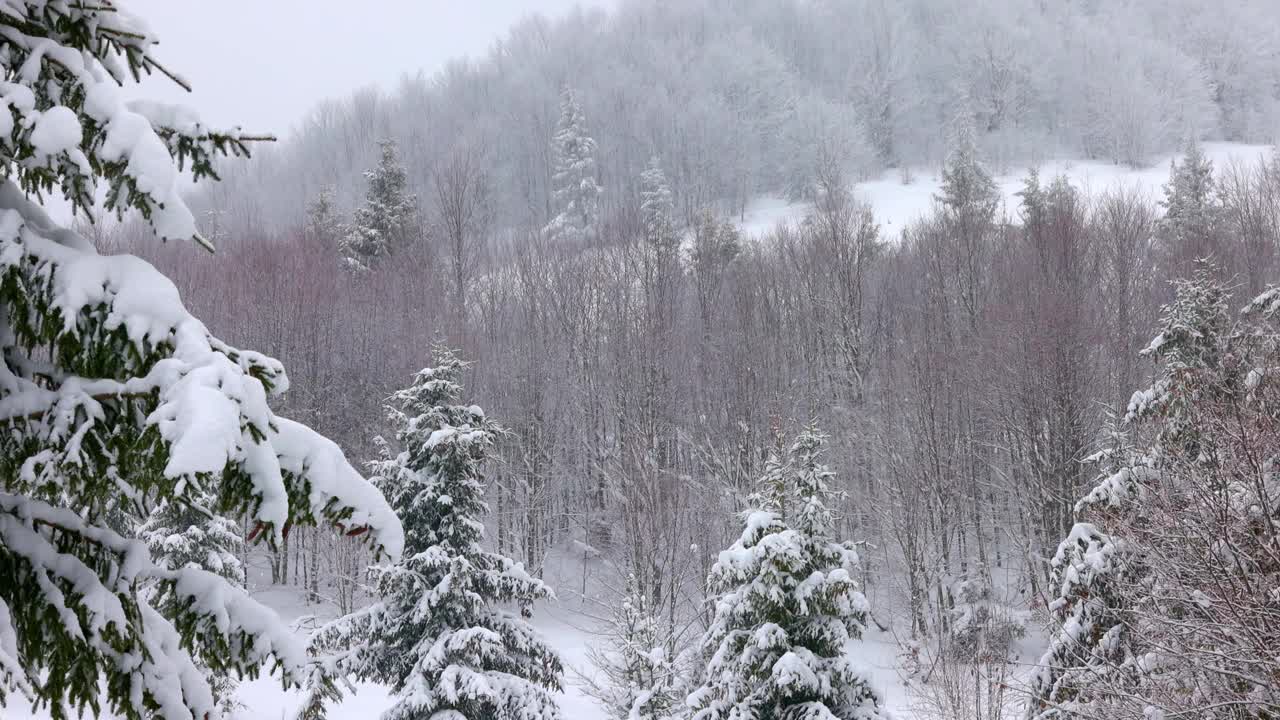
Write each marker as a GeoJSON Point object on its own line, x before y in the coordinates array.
{"type": "Point", "coordinates": [575, 190]}
{"type": "Point", "coordinates": [657, 208]}
{"type": "Point", "coordinates": [969, 200]}
{"type": "Point", "coordinates": [968, 190]}
{"type": "Point", "coordinates": [435, 635]}
{"type": "Point", "coordinates": [1097, 660]}
{"type": "Point", "coordinates": [113, 396]}
{"type": "Point", "coordinates": [1190, 349]}
{"type": "Point", "coordinates": [1193, 210]}
{"type": "Point", "coordinates": [1093, 647]}
{"type": "Point", "coordinates": [787, 609]}
{"type": "Point", "coordinates": [385, 224]}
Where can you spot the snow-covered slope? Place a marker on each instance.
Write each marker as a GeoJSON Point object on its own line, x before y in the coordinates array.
{"type": "Point", "coordinates": [896, 205]}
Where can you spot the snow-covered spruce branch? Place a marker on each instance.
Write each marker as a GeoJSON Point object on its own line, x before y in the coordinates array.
{"type": "Point", "coordinates": [78, 54]}
{"type": "Point", "coordinates": [210, 404]}
{"type": "Point", "coordinates": [97, 608]}
{"type": "Point", "coordinates": [116, 401]}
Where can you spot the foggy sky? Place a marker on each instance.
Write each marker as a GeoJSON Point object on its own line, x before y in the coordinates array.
{"type": "Point", "coordinates": [262, 64]}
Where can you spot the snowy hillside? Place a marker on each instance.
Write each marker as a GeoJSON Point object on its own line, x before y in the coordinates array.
{"type": "Point", "coordinates": [896, 205]}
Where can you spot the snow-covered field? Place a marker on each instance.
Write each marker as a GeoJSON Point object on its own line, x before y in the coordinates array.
{"type": "Point", "coordinates": [896, 205]}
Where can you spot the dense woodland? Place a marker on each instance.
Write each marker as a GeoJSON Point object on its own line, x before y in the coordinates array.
{"type": "Point", "coordinates": [734, 455]}
{"type": "Point", "coordinates": [647, 370]}
{"type": "Point", "coordinates": [742, 97]}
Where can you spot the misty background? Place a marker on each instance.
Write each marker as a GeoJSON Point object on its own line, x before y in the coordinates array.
{"type": "Point", "coordinates": [650, 356]}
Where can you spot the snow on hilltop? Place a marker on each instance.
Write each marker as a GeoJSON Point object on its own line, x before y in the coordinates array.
{"type": "Point", "coordinates": [897, 205]}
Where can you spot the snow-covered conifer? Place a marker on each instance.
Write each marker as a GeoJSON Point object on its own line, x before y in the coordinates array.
{"type": "Point", "coordinates": [183, 534]}
{"type": "Point", "coordinates": [440, 634]}
{"type": "Point", "coordinates": [324, 222]}
{"type": "Point", "coordinates": [114, 397]}
{"type": "Point", "coordinates": [387, 222]}
{"type": "Point", "coordinates": [575, 190]}
{"type": "Point", "coordinates": [716, 243]}
{"type": "Point", "coordinates": [1192, 212]}
{"type": "Point", "coordinates": [788, 606]}
{"type": "Point", "coordinates": [968, 204]}
{"type": "Point", "coordinates": [189, 534]}
{"type": "Point", "coordinates": [968, 191]}
{"type": "Point", "coordinates": [1145, 616]}
{"type": "Point", "coordinates": [982, 626]}
{"type": "Point", "coordinates": [1190, 349]}
{"type": "Point", "coordinates": [1033, 203]}
{"type": "Point", "coordinates": [1093, 649]}
{"type": "Point", "coordinates": [657, 209]}
{"type": "Point", "coordinates": [1098, 571]}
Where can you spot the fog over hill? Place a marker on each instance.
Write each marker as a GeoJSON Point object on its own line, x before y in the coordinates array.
{"type": "Point", "coordinates": [740, 99]}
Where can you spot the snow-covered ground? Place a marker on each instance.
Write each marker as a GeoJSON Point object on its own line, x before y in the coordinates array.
{"type": "Point", "coordinates": [568, 629]}
{"type": "Point", "coordinates": [265, 699]}
{"type": "Point", "coordinates": [896, 205]}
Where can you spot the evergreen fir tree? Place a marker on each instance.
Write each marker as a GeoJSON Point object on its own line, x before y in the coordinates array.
{"type": "Point", "coordinates": [981, 628]}
{"type": "Point", "coordinates": [641, 678]}
{"type": "Point", "coordinates": [657, 208]}
{"type": "Point", "coordinates": [716, 244]}
{"type": "Point", "coordinates": [189, 535]}
{"type": "Point", "coordinates": [1096, 662]}
{"type": "Point", "coordinates": [1193, 212]}
{"type": "Point", "coordinates": [1033, 204]}
{"type": "Point", "coordinates": [787, 609]}
{"type": "Point", "coordinates": [387, 221]}
{"type": "Point", "coordinates": [435, 635]}
{"type": "Point", "coordinates": [1094, 650]}
{"type": "Point", "coordinates": [576, 192]}
{"type": "Point", "coordinates": [969, 193]}
{"type": "Point", "coordinates": [116, 400]}
{"type": "Point", "coordinates": [969, 200]}
{"type": "Point", "coordinates": [324, 223]}
{"type": "Point", "coordinates": [1190, 349]}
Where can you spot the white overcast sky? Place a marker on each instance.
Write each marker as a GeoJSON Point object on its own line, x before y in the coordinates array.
{"type": "Point", "coordinates": [262, 64]}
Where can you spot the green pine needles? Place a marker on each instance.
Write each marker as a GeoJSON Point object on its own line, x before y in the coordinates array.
{"type": "Point", "coordinates": [114, 400]}
{"type": "Point", "coordinates": [443, 634]}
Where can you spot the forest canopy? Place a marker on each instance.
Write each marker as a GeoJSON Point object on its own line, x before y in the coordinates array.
{"type": "Point", "coordinates": [741, 98]}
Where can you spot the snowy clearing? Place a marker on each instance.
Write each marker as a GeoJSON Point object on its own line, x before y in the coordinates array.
{"type": "Point", "coordinates": [896, 205]}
